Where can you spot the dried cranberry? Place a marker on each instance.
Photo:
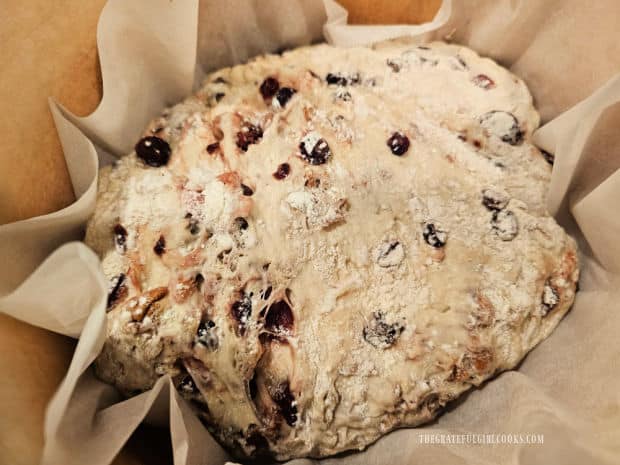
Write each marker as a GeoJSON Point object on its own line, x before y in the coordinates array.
{"type": "Point", "coordinates": [153, 151]}
{"type": "Point", "coordinates": [505, 224]}
{"type": "Point", "coordinates": [398, 143]}
{"type": "Point", "coordinates": [247, 191]}
{"type": "Point", "coordinates": [394, 65]}
{"type": "Point", "coordinates": [494, 200]}
{"type": "Point", "coordinates": [241, 223]}
{"type": "Point", "coordinates": [284, 95]}
{"type": "Point", "coordinates": [549, 157]}
{"type": "Point", "coordinates": [341, 80]}
{"type": "Point", "coordinates": [336, 79]}
{"type": "Point", "coordinates": [118, 290]}
{"type": "Point", "coordinates": [267, 338]}
{"type": "Point", "coordinates": [283, 171]}
{"type": "Point", "coordinates": [253, 387]}
{"type": "Point", "coordinates": [120, 238]}
{"type": "Point", "coordinates": [160, 246]}
{"type": "Point", "coordinates": [211, 148]}
{"type": "Point", "coordinates": [193, 226]}
{"type": "Point", "coordinates": [269, 87]}
{"type": "Point", "coordinates": [503, 125]}
{"type": "Point", "coordinates": [381, 334]}
{"type": "Point", "coordinates": [314, 149]}
{"type": "Point", "coordinates": [484, 81]}
{"type": "Point", "coordinates": [206, 336]}
{"type": "Point", "coordinates": [279, 318]}
{"type": "Point", "coordinates": [241, 311]}
{"type": "Point", "coordinates": [248, 135]}
{"type": "Point", "coordinates": [284, 399]}
{"type": "Point", "coordinates": [434, 236]}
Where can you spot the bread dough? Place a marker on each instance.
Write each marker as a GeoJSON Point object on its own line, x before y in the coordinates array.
{"type": "Point", "coordinates": [325, 245]}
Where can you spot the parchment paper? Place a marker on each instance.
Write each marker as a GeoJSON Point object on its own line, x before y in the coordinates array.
{"type": "Point", "coordinates": [568, 388]}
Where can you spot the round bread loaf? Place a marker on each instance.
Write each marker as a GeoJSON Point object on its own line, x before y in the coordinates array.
{"type": "Point", "coordinates": [324, 245]}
